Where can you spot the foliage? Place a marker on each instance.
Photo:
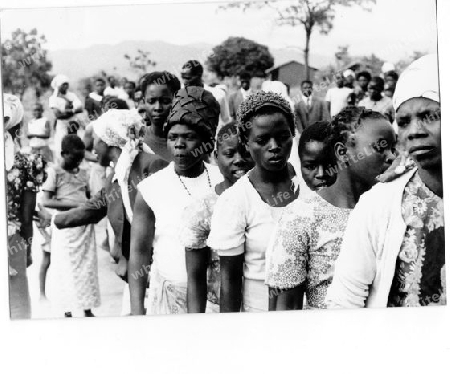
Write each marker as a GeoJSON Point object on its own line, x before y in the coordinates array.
{"type": "Point", "coordinates": [236, 54]}
{"type": "Point", "coordinates": [25, 62]}
{"type": "Point", "coordinates": [404, 63]}
{"type": "Point", "coordinates": [140, 62]}
{"type": "Point", "coordinates": [310, 14]}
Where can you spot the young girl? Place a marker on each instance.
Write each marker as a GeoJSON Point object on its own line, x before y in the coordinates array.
{"type": "Point", "coordinates": [203, 268]}
{"type": "Point", "coordinates": [74, 258]}
{"type": "Point", "coordinates": [308, 239]}
{"type": "Point", "coordinates": [162, 198]}
{"type": "Point", "coordinates": [245, 215]}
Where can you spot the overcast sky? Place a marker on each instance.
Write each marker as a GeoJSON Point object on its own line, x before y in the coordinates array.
{"type": "Point", "coordinates": [393, 30]}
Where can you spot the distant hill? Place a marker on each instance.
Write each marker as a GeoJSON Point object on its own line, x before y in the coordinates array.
{"type": "Point", "coordinates": [80, 63]}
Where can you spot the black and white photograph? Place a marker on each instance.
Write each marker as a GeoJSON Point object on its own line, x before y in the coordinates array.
{"type": "Point", "coordinates": [222, 157]}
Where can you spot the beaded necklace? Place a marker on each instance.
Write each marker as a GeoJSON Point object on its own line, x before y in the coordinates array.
{"type": "Point", "coordinates": [207, 174]}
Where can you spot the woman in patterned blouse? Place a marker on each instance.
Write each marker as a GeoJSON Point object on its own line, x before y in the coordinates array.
{"type": "Point", "coordinates": [309, 235]}
{"type": "Point", "coordinates": [24, 174]}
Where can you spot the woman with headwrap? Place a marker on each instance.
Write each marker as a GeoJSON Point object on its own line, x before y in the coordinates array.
{"type": "Point", "coordinates": [392, 253]}
{"type": "Point", "coordinates": [65, 105]}
{"type": "Point", "coordinates": [162, 198]}
{"type": "Point", "coordinates": [117, 142]}
{"type": "Point", "coordinates": [246, 214]}
{"type": "Point", "coordinates": [24, 175]}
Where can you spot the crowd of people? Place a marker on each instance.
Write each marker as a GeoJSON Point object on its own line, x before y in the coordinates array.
{"type": "Point", "coordinates": [211, 201]}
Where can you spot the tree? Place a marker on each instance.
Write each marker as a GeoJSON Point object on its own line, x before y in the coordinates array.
{"type": "Point", "coordinates": [236, 54]}
{"type": "Point", "coordinates": [25, 63]}
{"type": "Point", "coordinates": [141, 62]}
{"type": "Point", "coordinates": [403, 64]}
{"type": "Point", "coordinates": [307, 13]}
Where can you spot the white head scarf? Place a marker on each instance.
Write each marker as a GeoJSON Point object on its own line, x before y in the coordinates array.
{"type": "Point", "coordinates": [57, 82]}
{"type": "Point", "coordinates": [113, 127]}
{"type": "Point", "coordinates": [348, 72]}
{"type": "Point", "coordinates": [13, 109]}
{"type": "Point", "coordinates": [420, 79]}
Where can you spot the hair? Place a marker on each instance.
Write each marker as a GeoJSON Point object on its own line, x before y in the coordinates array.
{"type": "Point", "coordinates": [306, 81]}
{"type": "Point", "coordinates": [100, 80]}
{"type": "Point", "coordinates": [364, 74]}
{"type": "Point", "coordinates": [110, 78]}
{"type": "Point", "coordinates": [378, 81]}
{"type": "Point", "coordinates": [392, 74]}
{"type": "Point", "coordinates": [112, 102]}
{"type": "Point", "coordinates": [259, 104]}
{"type": "Point", "coordinates": [195, 67]}
{"type": "Point", "coordinates": [225, 132]}
{"type": "Point", "coordinates": [345, 123]}
{"type": "Point", "coordinates": [245, 75]}
{"type": "Point", "coordinates": [160, 78]}
{"type": "Point", "coordinates": [318, 132]}
{"type": "Point", "coordinates": [72, 144]}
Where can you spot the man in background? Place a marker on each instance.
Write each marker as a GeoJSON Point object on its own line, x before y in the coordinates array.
{"type": "Point", "coordinates": [309, 109]}
{"type": "Point", "coordinates": [337, 96]}
{"type": "Point", "coordinates": [236, 98]}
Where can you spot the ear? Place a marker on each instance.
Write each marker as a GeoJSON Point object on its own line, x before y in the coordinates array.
{"type": "Point", "coordinates": [247, 147]}
{"type": "Point", "coordinates": [340, 151]}
{"type": "Point", "coordinates": [215, 154]}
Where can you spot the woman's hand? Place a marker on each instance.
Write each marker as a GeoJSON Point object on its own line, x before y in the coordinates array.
{"type": "Point", "coordinates": [401, 165]}
{"type": "Point", "coordinates": [44, 216]}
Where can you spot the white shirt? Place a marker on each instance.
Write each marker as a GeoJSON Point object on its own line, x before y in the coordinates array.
{"type": "Point", "coordinates": [221, 97]}
{"type": "Point", "coordinates": [37, 127]}
{"type": "Point", "coordinates": [241, 217]}
{"type": "Point", "coordinates": [165, 194]}
{"type": "Point", "coordinates": [338, 99]}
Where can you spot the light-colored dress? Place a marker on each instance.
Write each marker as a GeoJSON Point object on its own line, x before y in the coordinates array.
{"type": "Point", "coordinates": [241, 217]}
{"type": "Point", "coordinates": [305, 247]}
{"type": "Point", "coordinates": [39, 145]}
{"type": "Point", "coordinates": [419, 278]}
{"type": "Point", "coordinates": [194, 236]}
{"type": "Point", "coordinates": [74, 268]}
{"type": "Point", "coordinates": [168, 195]}
{"type": "Point", "coordinates": [62, 125]}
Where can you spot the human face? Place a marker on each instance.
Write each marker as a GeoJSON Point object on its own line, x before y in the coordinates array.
{"type": "Point", "coordinates": [314, 166]}
{"type": "Point", "coordinates": [158, 100]}
{"type": "Point", "coordinates": [189, 79]}
{"type": "Point", "coordinates": [102, 151]}
{"type": "Point", "coordinates": [112, 82]}
{"type": "Point", "coordinates": [419, 130]}
{"type": "Point", "coordinates": [123, 82]}
{"type": "Point", "coordinates": [71, 160]}
{"type": "Point", "coordinates": [270, 141]}
{"type": "Point", "coordinates": [307, 89]}
{"type": "Point", "coordinates": [100, 87]}
{"type": "Point", "coordinates": [374, 91]}
{"type": "Point", "coordinates": [391, 83]}
{"type": "Point", "coordinates": [37, 111]}
{"type": "Point", "coordinates": [64, 87]}
{"type": "Point", "coordinates": [245, 84]}
{"type": "Point", "coordinates": [232, 159]}
{"type": "Point", "coordinates": [371, 150]}
{"type": "Point", "coordinates": [129, 89]}
{"type": "Point", "coordinates": [363, 82]}
{"type": "Point", "coordinates": [339, 80]}
{"type": "Point", "coordinates": [349, 81]}
{"type": "Point", "coordinates": [184, 144]}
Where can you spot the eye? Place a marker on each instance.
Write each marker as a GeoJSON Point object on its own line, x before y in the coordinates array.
{"type": "Point", "coordinates": [261, 141]}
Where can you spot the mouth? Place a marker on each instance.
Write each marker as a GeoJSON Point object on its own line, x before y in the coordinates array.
{"type": "Point", "coordinates": [422, 151]}
{"type": "Point", "coordinates": [276, 160]}
{"type": "Point", "coordinates": [239, 173]}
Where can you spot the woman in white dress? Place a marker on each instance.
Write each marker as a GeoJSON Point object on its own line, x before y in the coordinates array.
{"type": "Point", "coordinates": [163, 197]}
{"type": "Point", "coordinates": [246, 214]}
{"type": "Point", "coordinates": [65, 106]}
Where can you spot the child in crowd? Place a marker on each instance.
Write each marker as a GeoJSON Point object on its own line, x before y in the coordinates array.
{"type": "Point", "coordinates": [316, 163]}
{"type": "Point", "coordinates": [74, 258]}
{"type": "Point", "coordinates": [307, 242]}
{"type": "Point", "coordinates": [203, 265]}
{"type": "Point", "coordinates": [39, 133]}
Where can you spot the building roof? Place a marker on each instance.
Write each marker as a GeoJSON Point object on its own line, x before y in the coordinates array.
{"type": "Point", "coordinates": [288, 63]}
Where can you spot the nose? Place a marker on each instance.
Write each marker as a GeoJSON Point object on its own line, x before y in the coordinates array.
{"type": "Point", "coordinates": [238, 159]}
{"type": "Point", "coordinates": [273, 145]}
{"type": "Point", "coordinates": [390, 156]}
{"type": "Point", "coordinates": [320, 172]}
{"type": "Point", "coordinates": [158, 106]}
{"type": "Point", "coordinates": [179, 143]}
{"type": "Point", "coordinates": [416, 129]}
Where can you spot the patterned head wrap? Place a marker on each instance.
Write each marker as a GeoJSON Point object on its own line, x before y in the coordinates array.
{"type": "Point", "coordinates": [250, 107]}
{"type": "Point", "coordinates": [13, 109]}
{"type": "Point", "coordinates": [420, 79]}
{"type": "Point", "coordinates": [197, 108]}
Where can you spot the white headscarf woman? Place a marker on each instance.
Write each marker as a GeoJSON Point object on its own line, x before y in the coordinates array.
{"type": "Point", "coordinates": [12, 113]}
{"type": "Point", "coordinates": [121, 128]}
{"type": "Point", "coordinates": [65, 106]}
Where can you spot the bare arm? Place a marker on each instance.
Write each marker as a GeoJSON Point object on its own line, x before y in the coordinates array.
{"type": "Point", "coordinates": [196, 265]}
{"type": "Point", "coordinates": [231, 272]}
{"type": "Point", "coordinates": [49, 202]}
{"type": "Point", "coordinates": [291, 299]}
{"type": "Point", "coordinates": [142, 234]}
